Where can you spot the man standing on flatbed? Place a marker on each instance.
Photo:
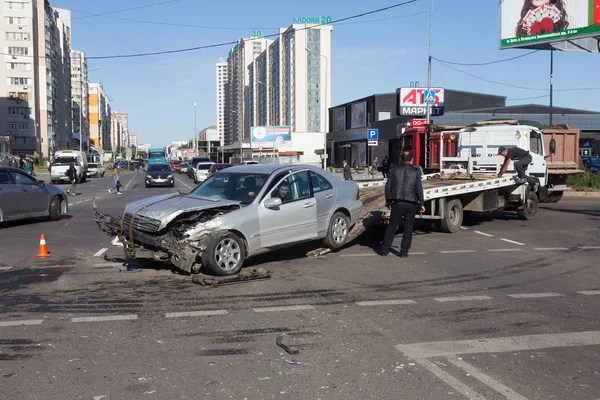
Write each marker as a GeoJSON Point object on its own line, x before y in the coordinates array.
{"type": "Point", "coordinates": [522, 159]}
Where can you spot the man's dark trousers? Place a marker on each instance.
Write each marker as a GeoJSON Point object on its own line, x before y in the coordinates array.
{"type": "Point", "coordinates": [400, 210]}
{"type": "Point", "coordinates": [521, 166]}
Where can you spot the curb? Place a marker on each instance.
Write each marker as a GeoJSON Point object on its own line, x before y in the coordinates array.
{"type": "Point", "coordinates": [369, 184]}
{"type": "Point", "coordinates": [581, 194]}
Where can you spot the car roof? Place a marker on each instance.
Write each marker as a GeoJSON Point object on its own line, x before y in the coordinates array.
{"type": "Point", "coordinates": [270, 168]}
{"type": "Point", "coordinates": [206, 163]}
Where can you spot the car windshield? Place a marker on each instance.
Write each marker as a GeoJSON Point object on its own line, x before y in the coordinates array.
{"type": "Point", "coordinates": [65, 160]}
{"type": "Point", "coordinates": [92, 165]}
{"type": "Point", "coordinates": [158, 167]}
{"type": "Point", "coordinates": [242, 187]}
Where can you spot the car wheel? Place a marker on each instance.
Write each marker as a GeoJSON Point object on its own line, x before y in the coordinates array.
{"type": "Point", "coordinates": [55, 209]}
{"type": "Point", "coordinates": [224, 255]}
{"type": "Point", "coordinates": [337, 234]}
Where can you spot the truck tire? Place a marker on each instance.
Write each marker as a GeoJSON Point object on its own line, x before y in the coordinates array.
{"type": "Point", "coordinates": [554, 197]}
{"type": "Point", "coordinates": [224, 255]}
{"type": "Point", "coordinates": [55, 209]}
{"type": "Point", "coordinates": [453, 217]}
{"type": "Point", "coordinates": [530, 208]}
{"type": "Point", "coordinates": [337, 233]}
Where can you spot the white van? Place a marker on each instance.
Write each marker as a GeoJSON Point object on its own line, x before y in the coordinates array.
{"type": "Point", "coordinates": [61, 162]}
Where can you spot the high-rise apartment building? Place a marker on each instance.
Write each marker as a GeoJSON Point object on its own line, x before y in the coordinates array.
{"type": "Point", "coordinates": [289, 83]}
{"type": "Point", "coordinates": [221, 82]}
{"type": "Point", "coordinates": [116, 132]}
{"type": "Point", "coordinates": [100, 118]}
{"type": "Point", "coordinates": [80, 100]}
{"type": "Point", "coordinates": [35, 110]}
{"type": "Point", "coordinates": [133, 140]}
{"type": "Point", "coordinates": [124, 121]}
{"type": "Point", "coordinates": [236, 90]}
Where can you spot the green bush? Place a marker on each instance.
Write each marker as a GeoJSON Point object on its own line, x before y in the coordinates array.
{"type": "Point", "coordinates": [585, 181]}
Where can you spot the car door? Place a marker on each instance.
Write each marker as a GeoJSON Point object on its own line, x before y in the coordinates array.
{"type": "Point", "coordinates": [295, 220]}
{"type": "Point", "coordinates": [34, 197]}
{"type": "Point", "coordinates": [325, 196]}
{"type": "Point", "coordinates": [9, 196]}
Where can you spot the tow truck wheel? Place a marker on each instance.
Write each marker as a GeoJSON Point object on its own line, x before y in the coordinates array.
{"type": "Point", "coordinates": [224, 255]}
{"type": "Point", "coordinates": [530, 207]}
{"type": "Point", "coordinates": [453, 217]}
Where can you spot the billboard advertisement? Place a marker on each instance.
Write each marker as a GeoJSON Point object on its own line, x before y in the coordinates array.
{"type": "Point", "coordinates": [339, 119]}
{"type": "Point", "coordinates": [527, 23]}
{"type": "Point", "coordinates": [143, 147]}
{"type": "Point", "coordinates": [279, 137]}
{"type": "Point", "coordinates": [213, 135]}
{"type": "Point", "coordinates": [358, 115]}
{"type": "Point", "coordinates": [410, 101]}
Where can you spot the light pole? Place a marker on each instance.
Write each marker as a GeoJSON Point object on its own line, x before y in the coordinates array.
{"type": "Point", "coordinates": [267, 86]}
{"type": "Point", "coordinates": [326, 127]}
{"type": "Point", "coordinates": [195, 131]}
{"type": "Point", "coordinates": [81, 79]}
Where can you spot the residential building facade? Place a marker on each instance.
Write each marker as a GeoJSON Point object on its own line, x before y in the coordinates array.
{"type": "Point", "coordinates": [80, 99]}
{"type": "Point", "coordinates": [124, 121]}
{"type": "Point", "coordinates": [236, 89]}
{"type": "Point", "coordinates": [221, 82]}
{"type": "Point", "coordinates": [100, 118]}
{"type": "Point", "coordinates": [116, 132]}
{"type": "Point", "coordinates": [35, 113]}
{"type": "Point", "coordinates": [289, 82]}
{"type": "Point", "coordinates": [133, 140]}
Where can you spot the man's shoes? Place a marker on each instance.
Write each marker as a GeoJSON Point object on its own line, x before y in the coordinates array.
{"type": "Point", "coordinates": [119, 193]}
{"type": "Point", "coordinates": [403, 255]}
{"type": "Point", "coordinates": [382, 252]}
{"type": "Point", "coordinates": [109, 191]}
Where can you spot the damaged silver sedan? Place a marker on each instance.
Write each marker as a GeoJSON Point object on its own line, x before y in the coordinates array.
{"type": "Point", "coordinates": [238, 213]}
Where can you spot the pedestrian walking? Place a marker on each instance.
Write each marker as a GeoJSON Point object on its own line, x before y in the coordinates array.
{"type": "Point", "coordinates": [116, 180]}
{"type": "Point", "coordinates": [347, 173]}
{"type": "Point", "coordinates": [14, 163]}
{"type": "Point", "coordinates": [21, 162]}
{"type": "Point", "coordinates": [376, 164]}
{"type": "Point", "coordinates": [72, 175]}
{"type": "Point", "coordinates": [6, 161]}
{"type": "Point", "coordinates": [403, 195]}
{"type": "Point", "coordinates": [522, 159]}
{"type": "Point", "coordinates": [385, 167]}
{"type": "Point", "coordinates": [28, 166]}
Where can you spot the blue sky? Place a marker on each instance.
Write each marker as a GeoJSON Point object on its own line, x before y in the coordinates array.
{"type": "Point", "coordinates": [367, 57]}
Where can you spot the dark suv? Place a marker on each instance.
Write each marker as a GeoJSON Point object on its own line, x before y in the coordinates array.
{"type": "Point", "coordinates": [217, 167]}
{"type": "Point", "coordinates": [192, 165]}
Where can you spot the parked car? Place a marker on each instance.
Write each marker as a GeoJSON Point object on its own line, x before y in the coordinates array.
{"type": "Point", "coordinates": [96, 169]}
{"type": "Point", "coordinates": [217, 167]}
{"type": "Point", "coordinates": [592, 164]}
{"type": "Point", "coordinates": [192, 165]}
{"type": "Point", "coordinates": [159, 174]}
{"type": "Point", "coordinates": [201, 171]}
{"type": "Point", "coordinates": [23, 196]}
{"type": "Point", "coordinates": [183, 168]}
{"type": "Point", "coordinates": [238, 213]}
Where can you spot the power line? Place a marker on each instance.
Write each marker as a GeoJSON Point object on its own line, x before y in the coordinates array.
{"type": "Point", "coordinates": [486, 63]}
{"type": "Point", "coordinates": [155, 53]}
{"type": "Point", "coordinates": [91, 15]}
{"type": "Point", "coordinates": [529, 98]}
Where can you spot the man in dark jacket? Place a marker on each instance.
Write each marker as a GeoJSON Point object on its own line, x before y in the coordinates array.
{"type": "Point", "coordinates": [72, 175]}
{"type": "Point", "coordinates": [521, 159]}
{"type": "Point", "coordinates": [347, 173]}
{"type": "Point", "coordinates": [385, 167]}
{"type": "Point", "coordinates": [403, 194]}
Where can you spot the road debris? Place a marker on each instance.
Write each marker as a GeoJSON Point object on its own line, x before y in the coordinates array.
{"type": "Point", "coordinates": [244, 276]}
{"type": "Point", "coordinates": [287, 349]}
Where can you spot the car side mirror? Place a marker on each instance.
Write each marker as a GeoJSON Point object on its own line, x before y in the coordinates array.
{"type": "Point", "coordinates": [41, 183]}
{"type": "Point", "coordinates": [273, 202]}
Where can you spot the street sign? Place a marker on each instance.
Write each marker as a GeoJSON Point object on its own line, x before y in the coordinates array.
{"type": "Point", "coordinates": [419, 122]}
{"type": "Point", "coordinates": [373, 134]}
{"type": "Point", "coordinates": [373, 143]}
{"type": "Point", "coordinates": [428, 96]}
{"type": "Point", "coordinates": [411, 101]}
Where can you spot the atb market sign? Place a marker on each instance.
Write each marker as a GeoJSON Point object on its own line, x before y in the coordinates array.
{"type": "Point", "coordinates": [413, 101]}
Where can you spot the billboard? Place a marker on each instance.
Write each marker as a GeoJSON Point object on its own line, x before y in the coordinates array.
{"type": "Point", "coordinates": [279, 137]}
{"type": "Point", "coordinates": [339, 119]}
{"type": "Point", "coordinates": [410, 102]}
{"type": "Point", "coordinates": [536, 23]}
{"type": "Point", "coordinates": [143, 147]}
{"type": "Point", "coordinates": [358, 115]}
{"type": "Point", "coordinates": [213, 135]}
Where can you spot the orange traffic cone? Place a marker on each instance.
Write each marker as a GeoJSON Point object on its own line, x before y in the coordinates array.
{"type": "Point", "coordinates": [43, 252]}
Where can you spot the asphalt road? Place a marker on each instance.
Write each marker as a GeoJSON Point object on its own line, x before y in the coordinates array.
{"type": "Point", "coordinates": [503, 309]}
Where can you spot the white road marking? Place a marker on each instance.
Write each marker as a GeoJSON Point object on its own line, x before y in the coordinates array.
{"type": "Point", "coordinates": [109, 264]}
{"type": "Point", "coordinates": [182, 182]}
{"type": "Point", "coordinates": [5, 268]}
{"type": "Point", "coordinates": [503, 250]}
{"type": "Point", "coordinates": [513, 242]}
{"type": "Point", "coordinates": [131, 180]}
{"type": "Point", "coordinates": [450, 380]}
{"type": "Point", "coordinates": [417, 253]}
{"type": "Point", "coordinates": [52, 266]}
{"type": "Point", "coordinates": [589, 292]}
{"type": "Point", "coordinates": [283, 308]}
{"type": "Point", "coordinates": [550, 248]}
{"type": "Point", "coordinates": [487, 380]}
{"type": "Point", "coordinates": [195, 313]}
{"type": "Point", "coordinates": [23, 322]}
{"type": "Point", "coordinates": [589, 247]}
{"type": "Point", "coordinates": [457, 251]}
{"type": "Point", "coordinates": [71, 204]}
{"type": "Point", "coordinates": [534, 295]}
{"type": "Point", "coordinates": [89, 200]}
{"type": "Point", "coordinates": [100, 252]}
{"type": "Point", "coordinates": [462, 227]}
{"type": "Point", "coordinates": [384, 302]}
{"type": "Point", "coordinates": [462, 298]}
{"type": "Point", "coordinates": [500, 345]}
{"type": "Point", "coordinates": [77, 202]}
{"type": "Point", "coordinates": [358, 255]}
{"type": "Point", "coordinates": [116, 242]}
{"type": "Point", "coordinates": [484, 234]}
{"type": "Point", "coordinates": [105, 318]}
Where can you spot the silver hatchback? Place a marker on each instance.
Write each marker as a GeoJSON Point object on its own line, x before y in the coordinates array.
{"type": "Point", "coordinates": [238, 213]}
{"type": "Point", "coordinates": [23, 196]}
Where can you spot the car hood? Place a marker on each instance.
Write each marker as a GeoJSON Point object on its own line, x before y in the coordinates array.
{"type": "Point", "coordinates": [168, 206]}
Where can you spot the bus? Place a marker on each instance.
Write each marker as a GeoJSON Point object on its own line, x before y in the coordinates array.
{"type": "Point", "coordinates": [157, 155]}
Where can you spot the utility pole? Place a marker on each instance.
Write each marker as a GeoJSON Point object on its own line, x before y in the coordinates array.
{"type": "Point", "coordinates": [428, 128]}
{"type": "Point", "coordinates": [195, 131]}
{"type": "Point", "coordinates": [551, 78]}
